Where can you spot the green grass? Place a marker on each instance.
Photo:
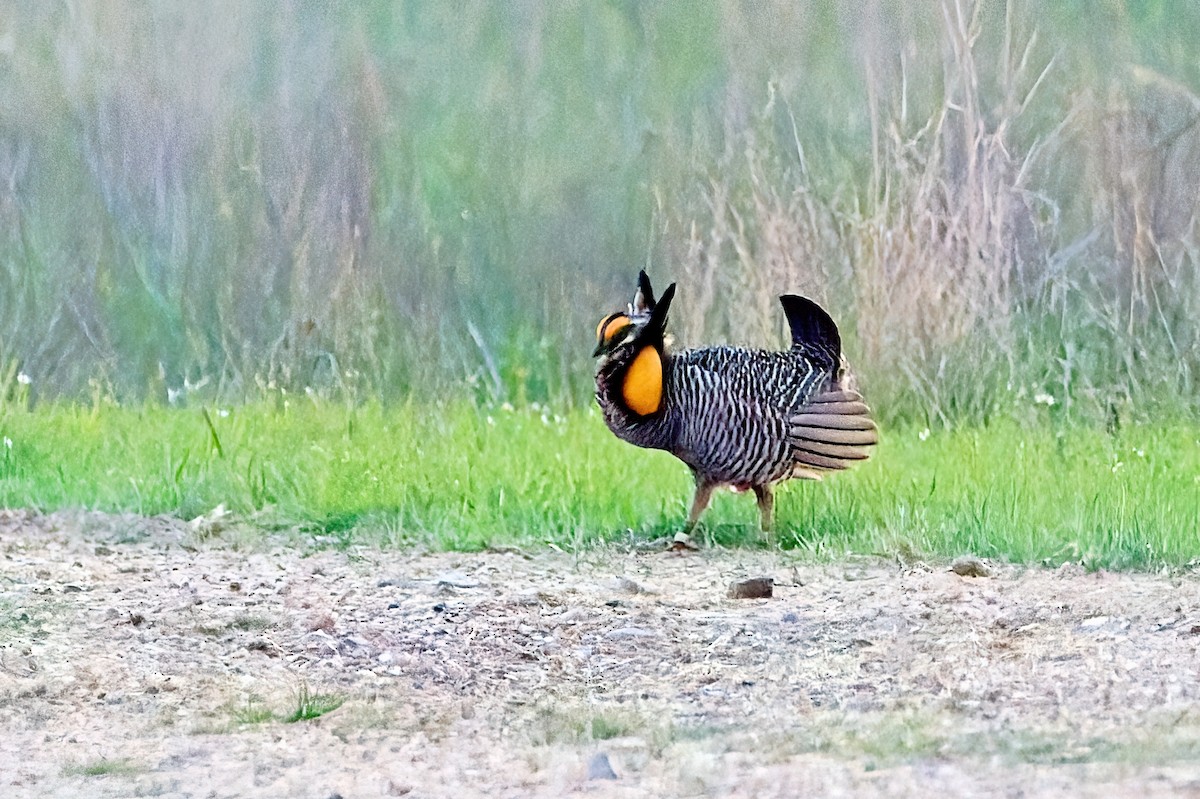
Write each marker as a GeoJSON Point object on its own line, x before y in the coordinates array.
{"type": "Point", "coordinates": [24, 619]}
{"type": "Point", "coordinates": [100, 768]}
{"type": "Point", "coordinates": [11, 618]}
{"type": "Point", "coordinates": [565, 722]}
{"type": "Point", "coordinates": [309, 706]}
{"type": "Point", "coordinates": [253, 712]}
{"type": "Point", "coordinates": [885, 740]}
{"type": "Point", "coordinates": [458, 477]}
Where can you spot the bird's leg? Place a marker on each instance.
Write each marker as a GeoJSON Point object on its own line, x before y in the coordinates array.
{"type": "Point", "coordinates": [766, 506]}
{"type": "Point", "coordinates": [704, 490]}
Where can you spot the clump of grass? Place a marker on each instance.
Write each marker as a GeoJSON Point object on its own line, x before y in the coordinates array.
{"type": "Point", "coordinates": [310, 705]}
{"type": "Point", "coordinates": [569, 724]}
{"type": "Point", "coordinates": [253, 712]}
{"type": "Point", "coordinates": [601, 727]}
{"type": "Point", "coordinates": [24, 620]}
{"type": "Point", "coordinates": [250, 621]}
{"type": "Point", "coordinates": [12, 619]}
{"type": "Point", "coordinates": [245, 622]}
{"type": "Point", "coordinates": [101, 768]}
{"type": "Point", "coordinates": [887, 739]}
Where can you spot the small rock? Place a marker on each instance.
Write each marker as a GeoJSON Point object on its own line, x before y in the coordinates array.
{"type": "Point", "coordinates": [970, 566]}
{"type": "Point", "coordinates": [790, 618]}
{"type": "Point", "coordinates": [625, 585]}
{"type": "Point", "coordinates": [102, 550]}
{"type": "Point", "coordinates": [651, 545]}
{"type": "Point", "coordinates": [682, 542]}
{"type": "Point", "coordinates": [1069, 570]}
{"type": "Point", "coordinates": [599, 768]}
{"type": "Point", "coordinates": [457, 580]}
{"type": "Point", "coordinates": [754, 588]}
{"type": "Point", "coordinates": [265, 646]}
{"type": "Point", "coordinates": [322, 621]}
{"type": "Point", "coordinates": [630, 632]}
{"type": "Point", "coordinates": [569, 616]}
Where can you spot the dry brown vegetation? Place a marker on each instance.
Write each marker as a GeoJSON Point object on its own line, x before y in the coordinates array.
{"type": "Point", "coordinates": [981, 252]}
{"type": "Point", "coordinates": [989, 195]}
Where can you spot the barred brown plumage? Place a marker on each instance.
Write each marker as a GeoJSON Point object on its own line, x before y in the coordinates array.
{"type": "Point", "coordinates": [737, 417]}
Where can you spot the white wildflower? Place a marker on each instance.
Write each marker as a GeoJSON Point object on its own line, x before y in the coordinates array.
{"type": "Point", "coordinates": [924, 434]}
{"type": "Point", "coordinates": [1044, 399]}
{"type": "Point", "coordinates": [23, 379]}
{"type": "Point", "coordinates": [7, 443]}
{"type": "Point", "coordinates": [222, 412]}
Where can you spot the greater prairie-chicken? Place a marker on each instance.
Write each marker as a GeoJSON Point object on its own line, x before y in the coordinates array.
{"type": "Point", "coordinates": [737, 417]}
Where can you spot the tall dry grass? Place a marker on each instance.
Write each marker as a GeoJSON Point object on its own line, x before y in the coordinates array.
{"type": "Point", "coordinates": [995, 199]}
{"type": "Point", "coordinates": [977, 267]}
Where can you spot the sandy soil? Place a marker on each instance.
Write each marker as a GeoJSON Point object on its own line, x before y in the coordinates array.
{"type": "Point", "coordinates": [140, 658]}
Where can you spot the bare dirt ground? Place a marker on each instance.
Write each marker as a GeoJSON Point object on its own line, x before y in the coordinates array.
{"type": "Point", "coordinates": [138, 660]}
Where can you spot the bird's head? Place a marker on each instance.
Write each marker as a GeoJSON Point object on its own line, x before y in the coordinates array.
{"type": "Point", "coordinates": [643, 323]}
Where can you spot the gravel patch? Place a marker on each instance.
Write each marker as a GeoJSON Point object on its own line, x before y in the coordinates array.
{"type": "Point", "coordinates": [138, 657]}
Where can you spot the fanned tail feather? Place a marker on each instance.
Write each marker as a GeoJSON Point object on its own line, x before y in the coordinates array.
{"type": "Point", "coordinates": [831, 433]}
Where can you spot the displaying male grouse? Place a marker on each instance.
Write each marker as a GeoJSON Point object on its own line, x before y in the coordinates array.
{"type": "Point", "coordinates": [737, 417]}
